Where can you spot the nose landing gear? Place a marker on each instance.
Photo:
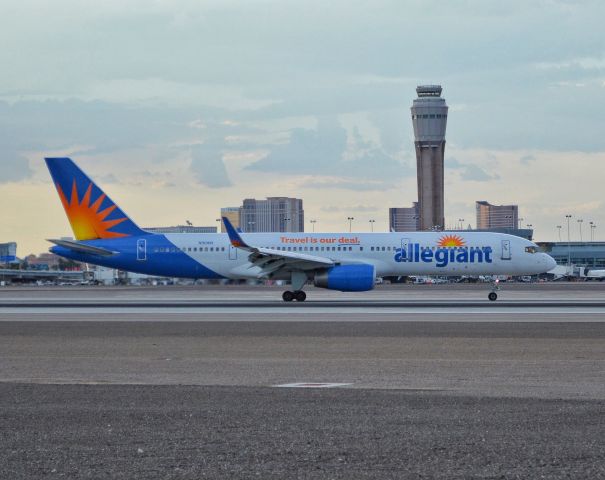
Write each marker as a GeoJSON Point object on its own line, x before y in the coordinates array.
{"type": "Point", "coordinates": [493, 296]}
{"type": "Point", "coordinates": [298, 295]}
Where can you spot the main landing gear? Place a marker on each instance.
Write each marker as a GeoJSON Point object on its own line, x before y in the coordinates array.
{"type": "Point", "coordinates": [297, 295]}
{"type": "Point", "coordinates": [298, 280]}
{"type": "Point", "coordinates": [493, 296]}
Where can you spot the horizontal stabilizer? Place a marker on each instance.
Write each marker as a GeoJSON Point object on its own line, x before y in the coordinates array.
{"type": "Point", "coordinates": [82, 248]}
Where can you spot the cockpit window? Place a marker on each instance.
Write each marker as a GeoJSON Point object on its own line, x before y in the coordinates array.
{"type": "Point", "coordinates": [531, 249]}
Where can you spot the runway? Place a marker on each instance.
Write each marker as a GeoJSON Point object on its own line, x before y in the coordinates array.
{"type": "Point", "coordinates": [437, 382]}
{"type": "Point", "coordinates": [542, 341]}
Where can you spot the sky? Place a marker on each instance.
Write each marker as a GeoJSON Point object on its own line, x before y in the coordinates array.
{"type": "Point", "coordinates": [178, 108]}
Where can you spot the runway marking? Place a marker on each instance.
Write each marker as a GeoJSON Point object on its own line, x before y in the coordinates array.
{"type": "Point", "coordinates": [312, 385]}
{"type": "Point", "coordinates": [234, 305]}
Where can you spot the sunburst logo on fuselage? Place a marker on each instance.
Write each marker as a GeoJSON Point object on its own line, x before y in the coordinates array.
{"type": "Point", "coordinates": [87, 222]}
{"type": "Point", "coordinates": [451, 241]}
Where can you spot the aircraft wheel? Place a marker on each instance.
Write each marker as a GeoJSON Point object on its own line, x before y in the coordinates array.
{"type": "Point", "coordinates": [300, 296]}
{"type": "Point", "coordinates": [287, 296]}
{"type": "Point", "coordinates": [492, 296]}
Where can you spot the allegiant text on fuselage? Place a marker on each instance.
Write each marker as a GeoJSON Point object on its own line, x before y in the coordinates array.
{"type": "Point", "coordinates": [443, 256]}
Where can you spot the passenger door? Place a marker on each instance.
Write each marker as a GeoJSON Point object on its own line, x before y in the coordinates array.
{"type": "Point", "coordinates": [505, 250]}
{"type": "Point", "coordinates": [405, 244]}
{"type": "Point", "coordinates": [232, 253]}
{"type": "Point", "coordinates": [141, 249]}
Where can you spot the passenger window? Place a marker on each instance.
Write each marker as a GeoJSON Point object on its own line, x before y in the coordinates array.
{"type": "Point", "coordinates": [361, 249]}
{"type": "Point", "coordinates": [372, 249]}
{"type": "Point", "coordinates": [350, 249]}
{"type": "Point", "coordinates": [383, 249]}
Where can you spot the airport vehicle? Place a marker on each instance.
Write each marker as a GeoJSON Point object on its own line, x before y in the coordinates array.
{"type": "Point", "coordinates": [350, 262]}
{"type": "Point", "coordinates": [592, 274]}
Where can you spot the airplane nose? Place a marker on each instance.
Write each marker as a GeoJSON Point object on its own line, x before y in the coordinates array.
{"type": "Point", "coordinates": [550, 262]}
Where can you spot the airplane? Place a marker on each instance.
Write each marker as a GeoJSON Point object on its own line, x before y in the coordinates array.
{"type": "Point", "coordinates": [348, 262]}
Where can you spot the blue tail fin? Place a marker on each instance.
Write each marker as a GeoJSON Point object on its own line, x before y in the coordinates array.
{"type": "Point", "coordinates": [91, 213]}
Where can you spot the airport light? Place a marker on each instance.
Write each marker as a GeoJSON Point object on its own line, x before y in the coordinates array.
{"type": "Point", "coordinates": [580, 221]}
{"type": "Point", "coordinates": [313, 222]}
{"type": "Point", "coordinates": [559, 228]}
{"type": "Point", "coordinates": [372, 222]}
{"type": "Point", "coordinates": [350, 219]}
{"type": "Point", "coordinates": [592, 227]}
{"type": "Point", "coordinates": [568, 217]}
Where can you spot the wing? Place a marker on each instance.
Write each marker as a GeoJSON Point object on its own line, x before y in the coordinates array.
{"type": "Point", "coordinates": [270, 260]}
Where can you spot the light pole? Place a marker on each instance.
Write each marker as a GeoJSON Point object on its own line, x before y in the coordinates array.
{"type": "Point", "coordinates": [218, 220]}
{"type": "Point", "coordinates": [559, 228]}
{"type": "Point", "coordinates": [592, 227]}
{"type": "Point", "coordinates": [350, 219]}
{"type": "Point", "coordinates": [520, 220]}
{"type": "Point", "coordinates": [416, 218]}
{"type": "Point", "coordinates": [568, 217]}
{"type": "Point", "coordinates": [372, 222]}
{"type": "Point", "coordinates": [251, 226]}
{"type": "Point", "coordinates": [460, 222]}
{"type": "Point", "coordinates": [313, 222]}
{"type": "Point", "coordinates": [285, 224]}
{"type": "Point", "coordinates": [580, 221]}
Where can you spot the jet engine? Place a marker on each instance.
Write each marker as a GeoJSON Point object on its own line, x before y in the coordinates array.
{"type": "Point", "coordinates": [347, 278]}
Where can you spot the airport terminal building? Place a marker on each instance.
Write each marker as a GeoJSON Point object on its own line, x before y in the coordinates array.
{"type": "Point", "coordinates": [585, 254]}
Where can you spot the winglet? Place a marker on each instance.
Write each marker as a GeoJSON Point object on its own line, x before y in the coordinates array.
{"type": "Point", "coordinates": [234, 237]}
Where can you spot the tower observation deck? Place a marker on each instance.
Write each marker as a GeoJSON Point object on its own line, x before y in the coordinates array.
{"type": "Point", "coordinates": [429, 117]}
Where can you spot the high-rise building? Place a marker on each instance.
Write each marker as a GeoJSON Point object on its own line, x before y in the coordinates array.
{"type": "Point", "coordinates": [404, 219]}
{"type": "Point", "coordinates": [496, 216]}
{"type": "Point", "coordinates": [275, 214]}
{"type": "Point", "coordinates": [233, 215]}
{"type": "Point", "coordinates": [429, 117]}
{"type": "Point", "coordinates": [8, 252]}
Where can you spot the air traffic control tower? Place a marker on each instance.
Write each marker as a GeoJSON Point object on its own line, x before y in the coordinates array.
{"type": "Point", "coordinates": [429, 116]}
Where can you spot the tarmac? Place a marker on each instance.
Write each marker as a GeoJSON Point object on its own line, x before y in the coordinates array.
{"type": "Point", "coordinates": [422, 381]}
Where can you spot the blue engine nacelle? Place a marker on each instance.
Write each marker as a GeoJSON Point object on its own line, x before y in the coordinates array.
{"type": "Point", "coordinates": [347, 278]}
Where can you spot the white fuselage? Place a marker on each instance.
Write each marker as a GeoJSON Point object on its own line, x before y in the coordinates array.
{"type": "Point", "coordinates": [392, 254]}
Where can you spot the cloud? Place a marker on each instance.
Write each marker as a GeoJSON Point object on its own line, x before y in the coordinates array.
{"type": "Point", "coordinates": [356, 208]}
{"type": "Point", "coordinates": [477, 174]}
{"type": "Point", "coordinates": [358, 185]}
{"type": "Point", "coordinates": [207, 164]}
{"type": "Point", "coordinates": [472, 171]}
{"type": "Point", "coordinates": [453, 163]}
{"type": "Point", "coordinates": [13, 167]}
{"type": "Point", "coordinates": [527, 159]}
{"type": "Point", "coordinates": [330, 151]}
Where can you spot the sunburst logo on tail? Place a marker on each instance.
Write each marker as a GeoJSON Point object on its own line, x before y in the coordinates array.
{"type": "Point", "coordinates": [85, 218]}
{"type": "Point", "coordinates": [451, 241]}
